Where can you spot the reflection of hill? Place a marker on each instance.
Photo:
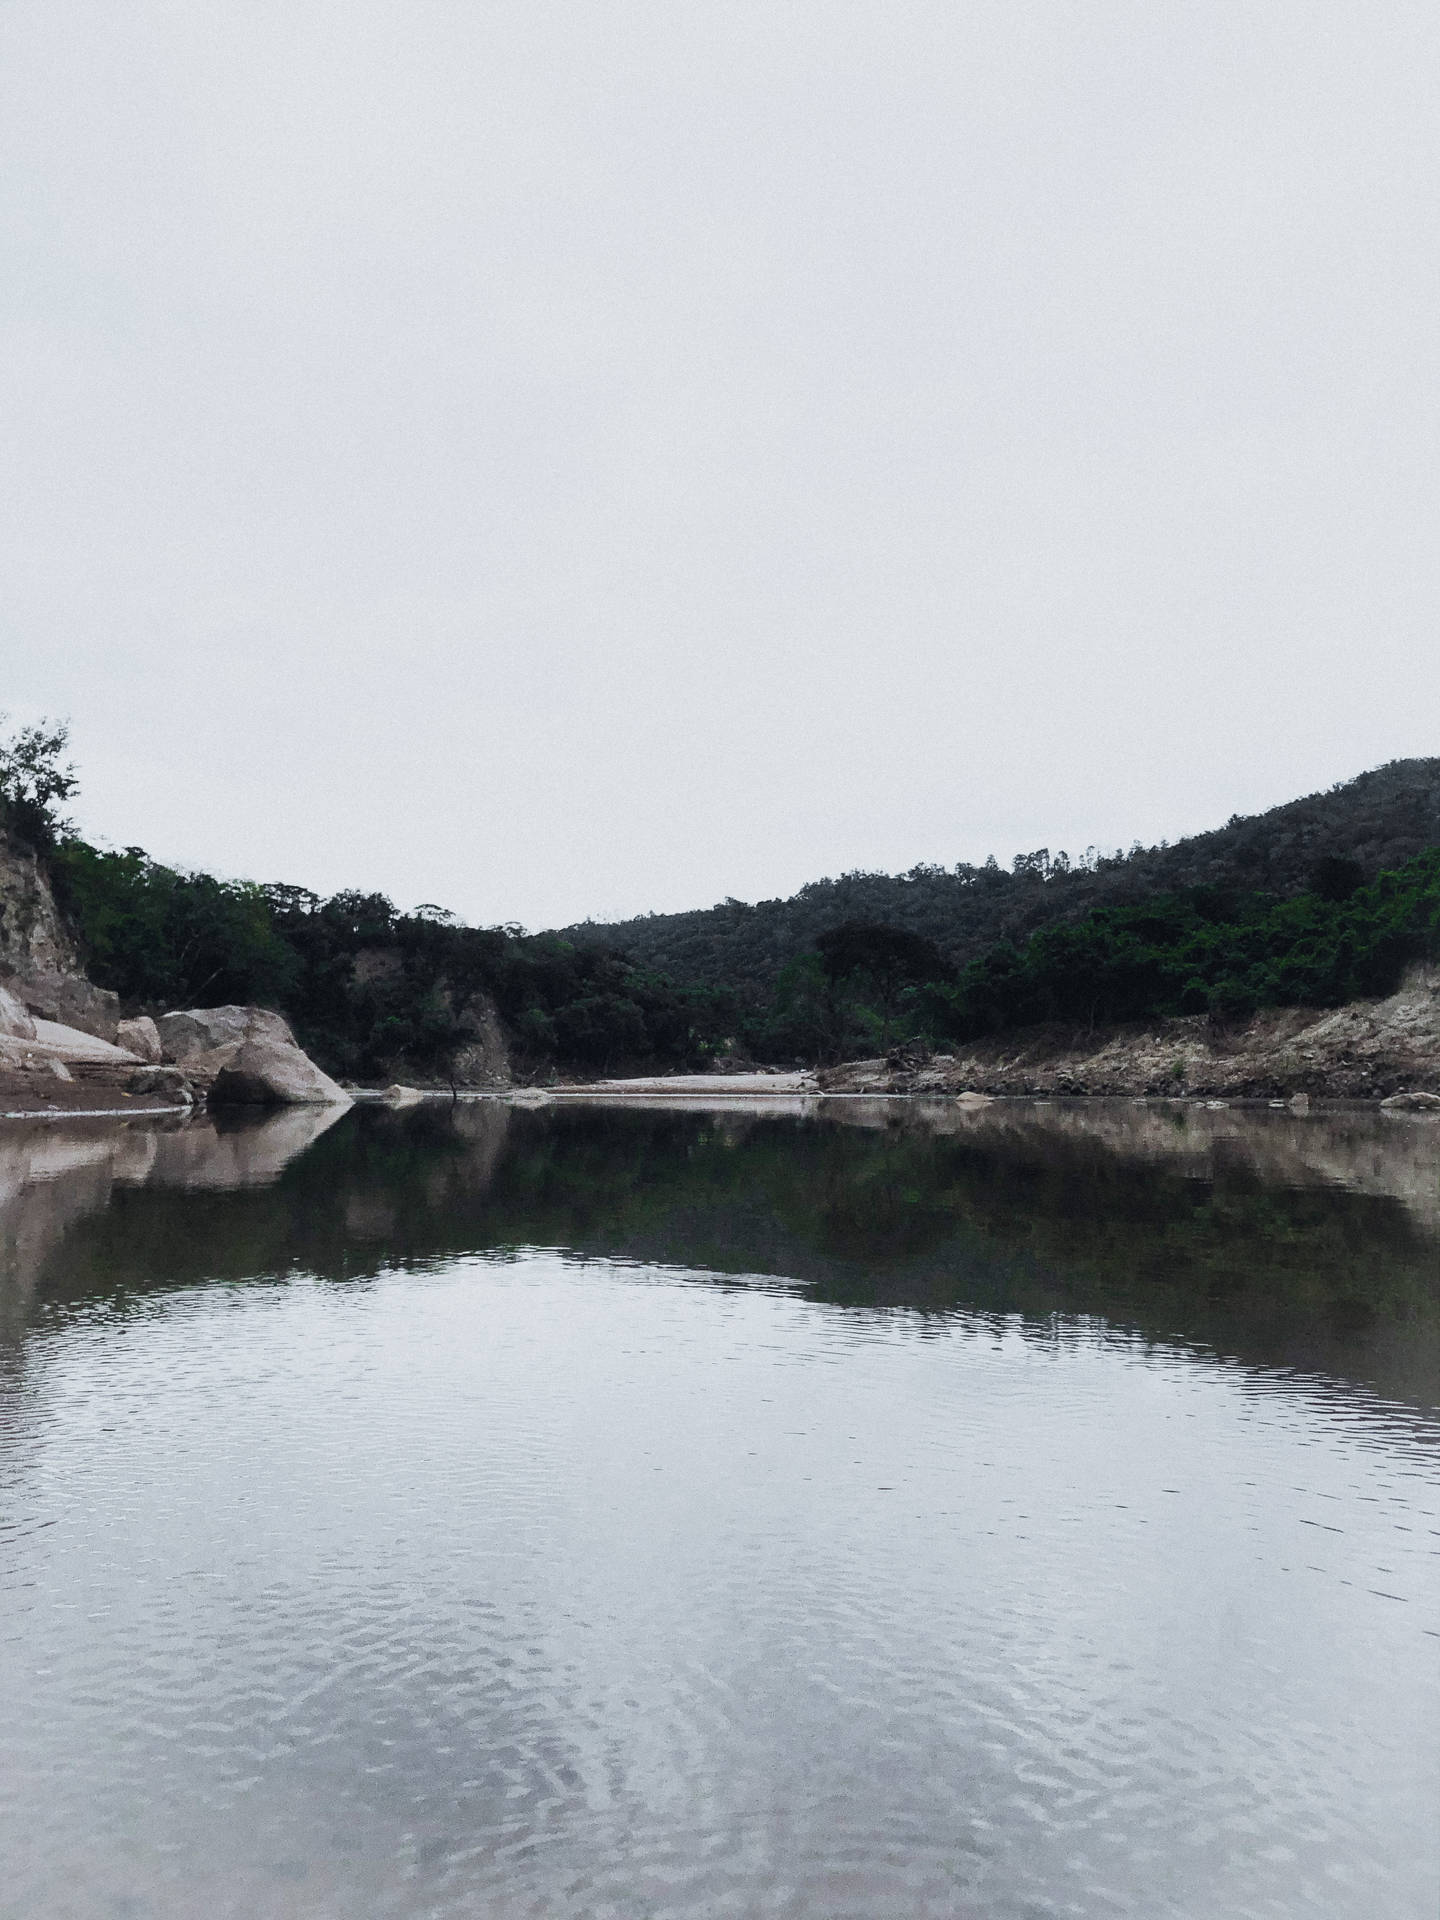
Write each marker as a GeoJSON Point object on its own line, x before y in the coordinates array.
{"type": "Point", "coordinates": [1396, 1156]}
{"type": "Point", "coordinates": [1283, 1241]}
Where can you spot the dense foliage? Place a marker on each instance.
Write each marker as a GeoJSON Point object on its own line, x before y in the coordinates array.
{"type": "Point", "coordinates": [371, 991]}
{"type": "Point", "coordinates": [1203, 951]}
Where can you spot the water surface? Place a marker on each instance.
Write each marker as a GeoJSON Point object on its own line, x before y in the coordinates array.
{"type": "Point", "coordinates": [867, 1513]}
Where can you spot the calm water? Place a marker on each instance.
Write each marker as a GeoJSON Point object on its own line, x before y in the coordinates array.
{"type": "Point", "coordinates": [656, 1514]}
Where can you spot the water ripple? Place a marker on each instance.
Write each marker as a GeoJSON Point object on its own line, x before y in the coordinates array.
{"type": "Point", "coordinates": [567, 1589]}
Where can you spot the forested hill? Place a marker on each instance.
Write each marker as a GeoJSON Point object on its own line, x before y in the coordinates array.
{"type": "Point", "coordinates": [1372, 823]}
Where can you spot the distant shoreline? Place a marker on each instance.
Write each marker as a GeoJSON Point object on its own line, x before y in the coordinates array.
{"type": "Point", "coordinates": [692, 1093]}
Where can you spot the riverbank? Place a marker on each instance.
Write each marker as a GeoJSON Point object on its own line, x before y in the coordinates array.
{"type": "Point", "coordinates": [1368, 1051]}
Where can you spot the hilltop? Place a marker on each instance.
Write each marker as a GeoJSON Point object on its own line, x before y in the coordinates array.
{"type": "Point", "coordinates": [1375, 822]}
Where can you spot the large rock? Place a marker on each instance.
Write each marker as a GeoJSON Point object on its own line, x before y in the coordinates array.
{"type": "Point", "coordinates": [16, 1021]}
{"type": "Point", "coordinates": [140, 1037]}
{"type": "Point", "coordinates": [38, 956]}
{"type": "Point", "coordinates": [244, 1056]}
{"type": "Point", "coordinates": [272, 1073]}
{"type": "Point", "coordinates": [74, 1043]}
{"type": "Point", "coordinates": [1412, 1103]}
{"type": "Point", "coordinates": [70, 1000]}
{"type": "Point", "coordinates": [199, 1030]}
{"type": "Point", "coordinates": [200, 1069]}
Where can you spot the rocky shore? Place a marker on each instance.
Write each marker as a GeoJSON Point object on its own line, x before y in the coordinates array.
{"type": "Point", "coordinates": [220, 1056]}
{"type": "Point", "coordinates": [66, 1048]}
{"type": "Point", "coordinates": [1369, 1050]}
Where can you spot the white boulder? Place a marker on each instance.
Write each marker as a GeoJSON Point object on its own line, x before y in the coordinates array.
{"type": "Point", "coordinates": [140, 1037]}
{"type": "Point", "coordinates": [203, 1029]}
{"type": "Point", "coordinates": [274, 1073]}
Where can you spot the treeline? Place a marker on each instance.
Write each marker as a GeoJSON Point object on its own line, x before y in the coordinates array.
{"type": "Point", "coordinates": [371, 991]}
{"type": "Point", "coordinates": [1315, 903]}
{"type": "Point", "coordinates": [1227, 954]}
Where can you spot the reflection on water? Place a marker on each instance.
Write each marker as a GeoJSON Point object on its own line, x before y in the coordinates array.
{"type": "Point", "coordinates": [870, 1512]}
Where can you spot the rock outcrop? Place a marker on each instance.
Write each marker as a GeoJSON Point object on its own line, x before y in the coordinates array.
{"type": "Point", "coordinates": [39, 964]}
{"type": "Point", "coordinates": [484, 1059]}
{"type": "Point", "coordinates": [480, 1056]}
{"type": "Point", "coordinates": [16, 1020]}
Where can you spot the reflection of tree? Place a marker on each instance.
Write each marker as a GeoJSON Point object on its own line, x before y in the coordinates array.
{"type": "Point", "coordinates": [1015, 1211]}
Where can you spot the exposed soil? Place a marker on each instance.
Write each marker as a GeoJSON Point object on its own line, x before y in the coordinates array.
{"type": "Point", "coordinates": [92, 1088]}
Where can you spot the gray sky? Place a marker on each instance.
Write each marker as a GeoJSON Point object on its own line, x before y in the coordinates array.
{"type": "Point", "coordinates": [562, 459]}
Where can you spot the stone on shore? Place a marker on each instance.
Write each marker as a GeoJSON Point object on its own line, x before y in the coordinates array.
{"type": "Point", "coordinates": [270, 1073]}
{"type": "Point", "coordinates": [162, 1083]}
{"type": "Point", "coordinates": [140, 1037]}
{"type": "Point", "coordinates": [1412, 1103]}
{"type": "Point", "coordinates": [244, 1056]}
{"type": "Point", "coordinates": [199, 1030]}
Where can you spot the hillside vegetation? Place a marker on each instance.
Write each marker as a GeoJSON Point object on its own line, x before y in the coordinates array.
{"type": "Point", "coordinates": [371, 992]}
{"type": "Point", "coordinates": [1317, 902]}
{"type": "Point", "coordinates": [1377, 821]}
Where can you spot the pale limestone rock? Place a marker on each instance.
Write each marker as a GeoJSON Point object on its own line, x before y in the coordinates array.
{"type": "Point", "coordinates": [1412, 1103]}
{"type": "Point", "coordinates": [60, 1042]}
{"type": "Point", "coordinates": [16, 1021]}
{"type": "Point", "coordinates": [140, 1037]}
{"type": "Point", "coordinates": [202, 1029]}
{"type": "Point", "coordinates": [37, 955]}
{"type": "Point", "coordinates": [482, 1059]}
{"type": "Point", "coordinates": [271, 1073]}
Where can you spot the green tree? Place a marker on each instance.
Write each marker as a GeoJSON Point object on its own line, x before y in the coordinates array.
{"type": "Point", "coordinates": [883, 963]}
{"type": "Point", "coordinates": [34, 778]}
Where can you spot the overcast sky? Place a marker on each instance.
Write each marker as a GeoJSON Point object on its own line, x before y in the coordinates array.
{"type": "Point", "coordinates": [565, 459]}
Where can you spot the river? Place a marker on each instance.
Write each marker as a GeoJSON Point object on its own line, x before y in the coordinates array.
{"type": "Point", "coordinates": [854, 1512]}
